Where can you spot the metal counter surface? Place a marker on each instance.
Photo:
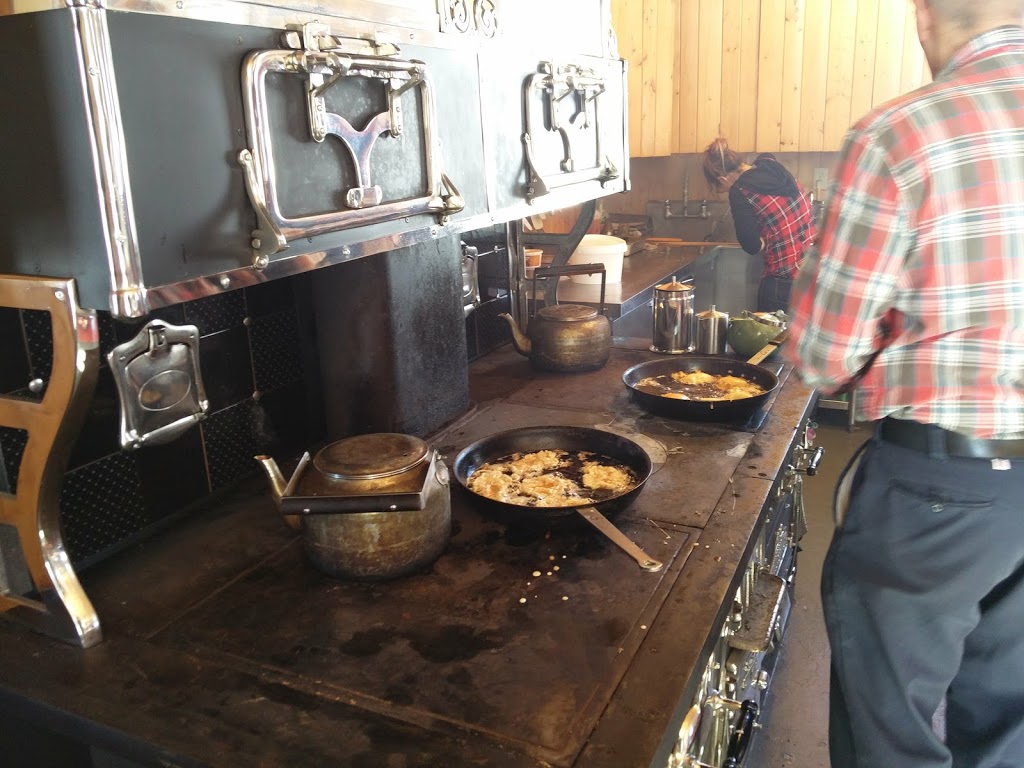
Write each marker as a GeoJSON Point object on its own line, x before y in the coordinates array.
{"type": "Point", "coordinates": [640, 273]}
{"type": "Point", "coordinates": [224, 647]}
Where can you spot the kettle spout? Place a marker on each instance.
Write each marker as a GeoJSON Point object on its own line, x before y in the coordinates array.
{"type": "Point", "coordinates": [519, 340]}
{"type": "Point", "coordinates": [277, 481]}
{"type": "Point", "coordinates": [278, 486]}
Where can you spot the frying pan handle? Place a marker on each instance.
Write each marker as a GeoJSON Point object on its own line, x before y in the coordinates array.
{"type": "Point", "coordinates": [599, 521]}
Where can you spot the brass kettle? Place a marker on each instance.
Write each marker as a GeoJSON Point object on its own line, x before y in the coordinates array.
{"type": "Point", "coordinates": [369, 507]}
{"type": "Point", "coordinates": [565, 338]}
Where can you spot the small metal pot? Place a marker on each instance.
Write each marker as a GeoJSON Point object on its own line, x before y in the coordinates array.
{"type": "Point", "coordinates": [674, 326]}
{"type": "Point", "coordinates": [371, 507]}
{"type": "Point", "coordinates": [712, 330]}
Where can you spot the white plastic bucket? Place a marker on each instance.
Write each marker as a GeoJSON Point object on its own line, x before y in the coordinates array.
{"type": "Point", "coordinates": [600, 249]}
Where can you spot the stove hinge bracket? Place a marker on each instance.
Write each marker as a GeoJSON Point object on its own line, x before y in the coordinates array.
{"type": "Point", "coordinates": [557, 83]}
{"type": "Point", "coordinates": [324, 60]}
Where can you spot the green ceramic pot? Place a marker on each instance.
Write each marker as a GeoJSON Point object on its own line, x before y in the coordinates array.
{"type": "Point", "coordinates": [748, 334]}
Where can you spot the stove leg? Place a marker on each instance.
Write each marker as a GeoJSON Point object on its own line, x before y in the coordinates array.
{"type": "Point", "coordinates": [34, 556]}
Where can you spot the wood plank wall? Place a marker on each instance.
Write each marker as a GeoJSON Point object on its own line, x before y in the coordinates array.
{"type": "Point", "coordinates": [769, 75]}
{"type": "Point", "coordinates": [788, 76]}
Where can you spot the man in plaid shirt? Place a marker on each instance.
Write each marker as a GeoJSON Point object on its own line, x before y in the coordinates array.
{"type": "Point", "coordinates": [915, 292]}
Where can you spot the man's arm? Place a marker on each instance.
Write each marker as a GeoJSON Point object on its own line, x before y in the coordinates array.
{"type": "Point", "coordinates": [849, 278]}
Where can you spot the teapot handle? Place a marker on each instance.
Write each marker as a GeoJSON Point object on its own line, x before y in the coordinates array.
{"type": "Point", "coordinates": [571, 269]}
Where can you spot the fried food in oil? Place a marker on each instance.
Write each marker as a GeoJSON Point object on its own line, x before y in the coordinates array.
{"type": "Point", "coordinates": [700, 386]}
{"type": "Point", "coordinates": [552, 479]}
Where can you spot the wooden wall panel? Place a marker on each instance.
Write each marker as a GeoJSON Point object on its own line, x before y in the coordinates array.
{"type": "Point", "coordinates": [815, 70]}
{"type": "Point", "coordinates": [649, 63]}
{"type": "Point", "coordinates": [750, 55]}
{"type": "Point", "coordinates": [771, 61]}
{"type": "Point", "coordinates": [888, 55]}
{"type": "Point", "coordinates": [689, 47]}
{"type": "Point", "coordinates": [628, 20]}
{"type": "Point", "coordinates": [864, 58]}
{"type": "Point", "coordinates": [733, 110]}
{"type": "Point", "coordinates": [769, 75]}
{"type": "Point", "coordinates": [665, 72]}
{"type": "Point", "coordinates": [839, 81]}
{"type": "Point", "coordinates": [792, 75]}
{"type": "Point", "coordinates": [709, 72]}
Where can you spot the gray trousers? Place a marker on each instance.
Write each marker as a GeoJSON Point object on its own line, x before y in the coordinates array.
{"type": "Point", "coordinates": [923, 593]}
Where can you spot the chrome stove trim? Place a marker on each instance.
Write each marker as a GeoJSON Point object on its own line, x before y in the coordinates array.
{"type": "Point", "coordinates": [229, 280]}
{"type": "Point", "coordinates": [59, 606]}
{"type": "Point", "coordinates": [355, 18]}
{"type": "Point", "coordinates": [110, 158]}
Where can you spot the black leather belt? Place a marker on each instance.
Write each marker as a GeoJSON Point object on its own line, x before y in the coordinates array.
{"type": "Point", "coordinates": [927, 437]}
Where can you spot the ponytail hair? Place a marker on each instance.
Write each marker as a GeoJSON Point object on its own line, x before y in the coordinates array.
{"type": "Point", "coordinates": [719, 161]}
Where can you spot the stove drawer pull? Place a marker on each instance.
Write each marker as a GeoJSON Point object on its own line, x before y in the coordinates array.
{"type": "Point", "coordinates": [761, 616]}
{"type": "Point", "coordinates": [740, 740]}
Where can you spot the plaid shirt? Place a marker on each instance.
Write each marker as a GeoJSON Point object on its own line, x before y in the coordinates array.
{"type": "Point", "coordinates": [787, 226]}
{"type": "Point", "coordinates": [922, 253]}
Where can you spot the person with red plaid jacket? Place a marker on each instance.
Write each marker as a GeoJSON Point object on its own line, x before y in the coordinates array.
{"type": "Point", "coordinates": [772, 213]}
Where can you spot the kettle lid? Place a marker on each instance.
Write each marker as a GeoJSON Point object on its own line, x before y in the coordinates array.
{"type": "Point", "coordinates": [675, 285]}
{"type": "Point", "coordinates": [713, 313]}
{"type": "Point", "coordinates": [367, 457]}
{"type": "Point", "coordinates": [567, 312]}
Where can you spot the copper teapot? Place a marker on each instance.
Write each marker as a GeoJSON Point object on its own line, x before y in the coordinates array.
{"type": "Point", "coordinates": [565, 338]}
{"type": "Point", "coordinates": [369, 507]}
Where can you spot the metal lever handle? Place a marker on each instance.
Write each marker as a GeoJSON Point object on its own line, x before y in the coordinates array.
{"type": "Point", "coordinates": [572, 269]}
{"type": "Point", "coordinates": [599, 521]}
{"type": "Point", "coordinates": [812, 465]}
{"type": "Point", "coordinates": [740, 740]}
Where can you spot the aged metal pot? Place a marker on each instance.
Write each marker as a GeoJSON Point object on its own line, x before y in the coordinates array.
{"type": "Point", "coordinates": [564, 338]}
{"type": "Point", "coordinates": [370, 507]}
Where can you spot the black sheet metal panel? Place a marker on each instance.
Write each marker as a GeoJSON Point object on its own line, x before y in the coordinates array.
{"type": "Point", "coordinates": [197, 223]}
{"type": "Point", "coordinates": [48, 195]}
{"type": "Point", "coordinates": [176, 73]}
{"type": "Point", "coordinates": [391, 340]}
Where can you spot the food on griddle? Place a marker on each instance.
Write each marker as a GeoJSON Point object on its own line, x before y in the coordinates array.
{"type": "Point", "coordinates": [552, 479]}
{"type": "Point", "coordinates": [701, 386]}
{"type": "Point", "coordinates": [693, 378]}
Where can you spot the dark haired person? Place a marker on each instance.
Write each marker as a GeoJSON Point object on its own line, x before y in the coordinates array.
{"type": "Point", "coordinates": [915, 288]}
{"type": "Point", "coordinates": [772, 214]}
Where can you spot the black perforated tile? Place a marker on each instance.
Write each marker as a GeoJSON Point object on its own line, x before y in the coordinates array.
{"type": "Point", "coordinates": [14, 372]}
{"type": "Point", "coordinates": [101, 505]}
{"type": "Point", "coordinates": [216, 313]}
{"type": "Point", "coordinates": [268, 298]}
{"type": "Point", "coordinates": [275, 350]}
{"type": "Point", "coordinates": [231, 438]}
{"type": "Point", "coordinates": [12, 446]}
{"type": "Point", "coordinates": [226, 365]}
{"type": "Point", "coordinates": [39, 338]}
{"type": "Point", "coordinates": [492, 331]}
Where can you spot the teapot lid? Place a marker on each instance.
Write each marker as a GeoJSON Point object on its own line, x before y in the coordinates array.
{"type": "Point", "coordinates": [367, 457]}
{"type": "Point", "coordinates": [713, 313]}
{"type": "Point", "coordinates": [567, 312]}
{"type": "Point", "coordinates": [675, 285]}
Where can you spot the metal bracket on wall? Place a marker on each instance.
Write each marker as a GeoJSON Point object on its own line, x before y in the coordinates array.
{"type": "Point", "coordinates": [557, 83]}
{"type": "Point", "coordinates": [38, 586]}
{"type": "Point", "coordinates": [324, 60]}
